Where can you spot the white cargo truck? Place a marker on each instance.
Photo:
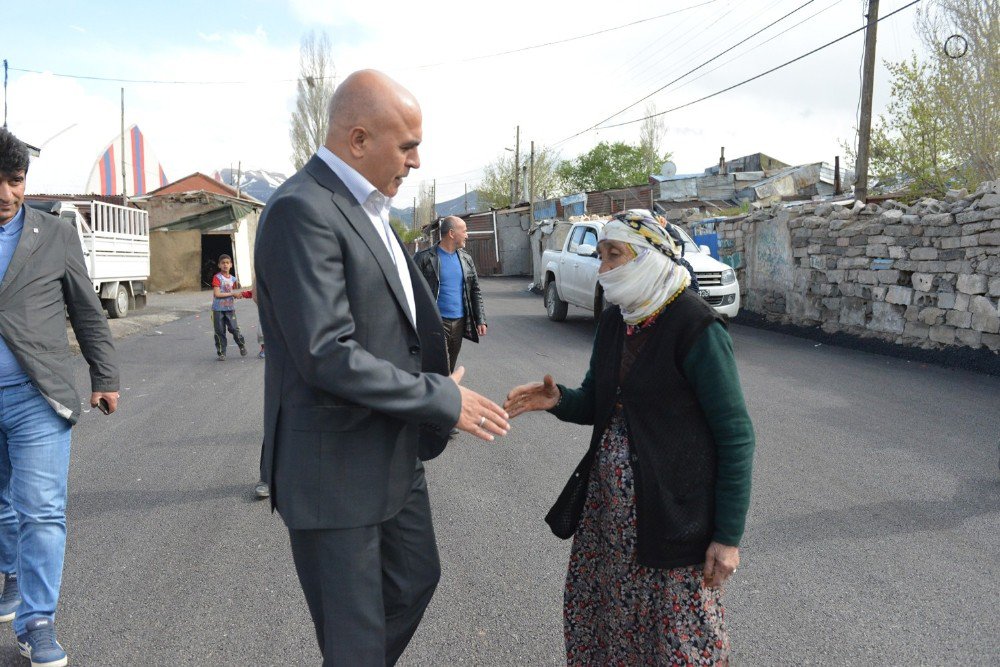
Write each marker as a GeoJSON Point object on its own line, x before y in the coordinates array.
{"type": "Point", "coordinates": [115, 242]}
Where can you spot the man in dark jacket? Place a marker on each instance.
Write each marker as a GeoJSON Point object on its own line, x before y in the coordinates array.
{"type": "Point", "coordinates": [43, 277]}
{"type": "Point", "coordinates": [451, 275]}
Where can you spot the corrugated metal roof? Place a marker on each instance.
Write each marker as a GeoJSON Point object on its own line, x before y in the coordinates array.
{"type": "Point", "coordinates": [214, 219]}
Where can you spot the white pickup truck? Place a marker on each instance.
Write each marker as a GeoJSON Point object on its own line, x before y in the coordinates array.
{"type": "Point", "coordinates": [115, 242]}
{"type": "Point", "coordinates": [570, 274]}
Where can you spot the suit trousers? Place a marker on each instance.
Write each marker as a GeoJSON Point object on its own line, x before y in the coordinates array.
{"type": "Point", "coordinates": [367, 587]}
{"type": "Point", "coordinates": [454, 330]}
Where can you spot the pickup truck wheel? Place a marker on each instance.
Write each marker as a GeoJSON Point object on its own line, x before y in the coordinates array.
{"type": "Point", "coordinates": [554, 306]}
{"type": "Point", "coordinates": [118, 306]}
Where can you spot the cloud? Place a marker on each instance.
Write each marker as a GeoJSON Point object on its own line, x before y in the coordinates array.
{"type": "Point", "coordinates": [190, 127]}
{"type": "Point", "coordinates": [473, 100]}
{"type": "Point", "coordinates": [70, 126]}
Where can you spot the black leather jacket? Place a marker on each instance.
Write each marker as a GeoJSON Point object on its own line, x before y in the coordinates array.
{"type": "Point", "coordinates": [429, 263]}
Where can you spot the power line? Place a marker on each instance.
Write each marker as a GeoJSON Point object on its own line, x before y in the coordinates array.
{"type": "Point", "coordinates": [741, 83]}
{"type": "Point", "coordinates": [568, 39]}
{"type": "Point", "coordinates": [320, 78]}
{"type": "Point", "coordinates": [650, 72]}
{"type": "Point", "coordinates": [715, 57]}
{"type": "Point", "coordinates": [757, 46]}
{"type": "Point", "coordinates": [158, 81]}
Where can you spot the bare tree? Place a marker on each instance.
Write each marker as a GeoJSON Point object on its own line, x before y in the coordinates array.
{"type": "Point", "coordinates": [425, 205]}
{"type": "Point", "coordinates": [651, 134]}
{"type": "Point", "coordinates": [317, 81]}
{"type": "Point", "coordinates": [498, 176]}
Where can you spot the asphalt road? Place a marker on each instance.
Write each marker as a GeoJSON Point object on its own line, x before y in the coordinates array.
{"type": "Point", "coordinates": [873, 538]}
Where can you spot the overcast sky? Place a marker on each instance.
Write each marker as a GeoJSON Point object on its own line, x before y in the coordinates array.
{"type": "Point", "coordinates": [479, 70]}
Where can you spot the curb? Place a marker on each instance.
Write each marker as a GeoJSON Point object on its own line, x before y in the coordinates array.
{"type": "Point", "coordinates": [965, 358]}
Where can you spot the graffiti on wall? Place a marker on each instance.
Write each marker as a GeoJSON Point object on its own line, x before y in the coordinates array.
{"type": "Point", "coordinates": [769, 255]}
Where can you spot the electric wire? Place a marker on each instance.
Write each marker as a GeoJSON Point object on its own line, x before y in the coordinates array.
{"type": "Point", "coordinates": [655, 75]}
{"type": "Point", "coordinates": [715, 57]}
{"type": "Point", "coordinates": [755, 47]}
{"type": "Point", "coordinates": [568, 39]}
{"type": "Point", "coordinates": [735, 85]}
{"type": "Point", "coordinates": [297, 79]}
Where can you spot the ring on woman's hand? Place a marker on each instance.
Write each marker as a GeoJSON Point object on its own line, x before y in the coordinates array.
{"type": "Point", "coordinates": [482, 420]}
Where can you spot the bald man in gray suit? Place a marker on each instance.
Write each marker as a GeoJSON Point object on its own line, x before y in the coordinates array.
{"type": "Point", "coordinates": [356, 384]}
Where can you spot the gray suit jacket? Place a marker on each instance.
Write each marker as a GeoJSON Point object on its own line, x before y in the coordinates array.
{"type": "Point", "coordinates": [351, 387]}
{"type": "Point", "coordinates": [46, 273]}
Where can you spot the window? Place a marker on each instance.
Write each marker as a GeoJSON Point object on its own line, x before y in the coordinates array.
{"type": "Point", "coordinates": [577, 238]}
{"type": "Point", "coordinates": [589, 237]}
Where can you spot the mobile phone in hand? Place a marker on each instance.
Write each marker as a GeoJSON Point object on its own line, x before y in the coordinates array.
{"type": "Point", "coordinates": [103, 406]}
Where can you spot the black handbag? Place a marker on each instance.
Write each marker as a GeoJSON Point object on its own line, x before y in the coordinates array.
{"type": "Point", "coordinates": [565, 514]}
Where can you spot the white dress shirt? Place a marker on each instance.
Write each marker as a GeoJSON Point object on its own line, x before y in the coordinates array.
{"type": "Point", "coordinates": [376, 206]}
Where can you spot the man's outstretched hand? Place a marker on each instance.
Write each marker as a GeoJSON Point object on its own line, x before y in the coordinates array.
{"type": "Point", "coordinates": [480, 416]}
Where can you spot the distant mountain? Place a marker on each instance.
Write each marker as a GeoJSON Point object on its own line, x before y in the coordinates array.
{"type": "Point", "coordinates": [261, 184]}
{"type": "Point", "coordinates": [457, 206]}
{"type": "Point", "coordinates": [257, 183]}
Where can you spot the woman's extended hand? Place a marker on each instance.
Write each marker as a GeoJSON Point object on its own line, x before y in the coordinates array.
{"type": "Point", "coordinates": [532, 396]}
{"type": "Point", "coordinates": [721, 561]}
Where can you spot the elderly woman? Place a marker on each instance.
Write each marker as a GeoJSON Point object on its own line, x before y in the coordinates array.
{"type": "Point", "coordinates": [658, 504]}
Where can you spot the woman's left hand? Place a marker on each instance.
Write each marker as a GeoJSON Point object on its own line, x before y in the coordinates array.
{"type": "Point", "coordinates": [721, 561]}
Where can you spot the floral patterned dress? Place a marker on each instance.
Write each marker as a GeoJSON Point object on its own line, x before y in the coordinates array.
{"type": "Point", "coordinates": [617, 612]}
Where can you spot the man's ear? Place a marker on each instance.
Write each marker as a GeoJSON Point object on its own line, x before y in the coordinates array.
{"type": "Point", "coordinates": [358, 139]}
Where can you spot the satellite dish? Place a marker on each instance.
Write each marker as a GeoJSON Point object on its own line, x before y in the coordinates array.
{"type": "Point", "coordinates": [668, 169]}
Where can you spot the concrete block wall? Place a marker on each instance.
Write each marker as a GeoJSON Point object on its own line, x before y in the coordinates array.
{"type": "Point", "coordinates": [925, 274]}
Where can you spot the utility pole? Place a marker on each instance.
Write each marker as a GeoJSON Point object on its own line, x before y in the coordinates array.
{"type": "Point", "coordinates": [5, 93]}
{"type": "Point", "coordinates": [413, 214]}
{"type": "Point", "coordinates": [531, 187]}
{"type": "Point", "coordinates": [867, 84]}
{"type": "Point", "coordinates": [123, 145]}
{"type": "Point", "coordinates": [516, 185]}
{"type": "Point", "coordinates": [239, 177]}
{"type": "Point", "coordinates": [465, 198]}
{"type": "Point", "coordinates": [434, 200]}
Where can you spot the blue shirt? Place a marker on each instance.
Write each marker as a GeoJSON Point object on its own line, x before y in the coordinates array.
{"type": "Point", "coordinates": [11, 372]}
{"type": "Point", "coordinates": [450, 295]}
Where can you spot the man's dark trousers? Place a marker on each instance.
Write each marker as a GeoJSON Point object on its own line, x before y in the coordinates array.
{"type": "Point", "coordinates": [398, 557]}
{"type": "Point", "coordinates": [453, 333]}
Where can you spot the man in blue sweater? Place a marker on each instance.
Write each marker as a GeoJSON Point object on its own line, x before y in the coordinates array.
{"type": "Point", "coordinates": [451, 275]}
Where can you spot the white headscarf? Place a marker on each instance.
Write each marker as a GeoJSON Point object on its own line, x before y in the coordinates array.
{"type": "Point", "coordinates": [652, 279]}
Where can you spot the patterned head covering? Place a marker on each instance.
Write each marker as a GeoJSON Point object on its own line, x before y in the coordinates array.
{"type": "Point", "coordinates": [640, 229]}
{"type": "Point", "coordinates": [644, 285]}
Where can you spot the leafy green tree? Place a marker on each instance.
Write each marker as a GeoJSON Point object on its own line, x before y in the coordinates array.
{"type": "Point", "coordinates": [405, 233]}
{"type": "Point", "coordinates": [910, 139]}
{"type": "Point", "coordinates": [607, 167]}
{"type": "Point", "coordinates": [495, 187]}
{"type": "Point", "coordinates": [941, 128]}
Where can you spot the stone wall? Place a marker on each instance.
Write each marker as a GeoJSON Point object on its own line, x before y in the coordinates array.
{"type": "Point", "coordinates": [926, 274]}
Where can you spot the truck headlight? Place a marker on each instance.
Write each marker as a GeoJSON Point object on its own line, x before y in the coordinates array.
{"type": "Point", "coordinates": [728, 277]}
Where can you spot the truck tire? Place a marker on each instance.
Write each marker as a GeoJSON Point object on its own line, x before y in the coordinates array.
{"type": "Point", "coordinates": [118, 306]}
{"type": "Point", "coordinates": [554, 306]}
